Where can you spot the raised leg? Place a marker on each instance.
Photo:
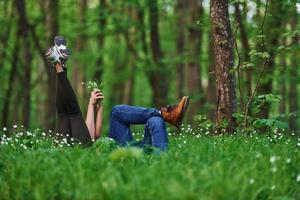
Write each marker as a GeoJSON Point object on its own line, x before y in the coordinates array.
{"type": "Point", "coordinates": [78, 126]}
{"type": "Point", "coordinates": [63, 122]}
{"type": "Point", "coordinates": [121, 118]}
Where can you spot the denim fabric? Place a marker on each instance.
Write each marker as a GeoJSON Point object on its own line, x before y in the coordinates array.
{"type": "Point", "coordinates": [122, 116]}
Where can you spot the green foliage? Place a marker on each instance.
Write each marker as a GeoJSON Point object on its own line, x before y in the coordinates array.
{"type": "Point", "coordinates": [264, 55]}
{"type": "Point", "coordinates": [270, 123]}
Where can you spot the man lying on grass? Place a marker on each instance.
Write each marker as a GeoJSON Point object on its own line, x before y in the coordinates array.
{"type": "Point", "coordinates": [71, 122]}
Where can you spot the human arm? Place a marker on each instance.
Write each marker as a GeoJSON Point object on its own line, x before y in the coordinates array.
{"type": "Point", "coordinates": [90, 116]}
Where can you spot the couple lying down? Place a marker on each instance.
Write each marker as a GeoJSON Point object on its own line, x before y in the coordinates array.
{"type": "Point", "coordinates": [71, 122]}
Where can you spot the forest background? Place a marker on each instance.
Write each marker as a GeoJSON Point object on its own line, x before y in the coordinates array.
{"type": "Point", "coordinates": [237, 60]}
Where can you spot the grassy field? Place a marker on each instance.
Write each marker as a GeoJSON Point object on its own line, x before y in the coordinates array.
{"type": "Point", "coordinates": [197, 166]}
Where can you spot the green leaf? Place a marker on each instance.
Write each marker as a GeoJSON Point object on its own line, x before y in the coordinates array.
{"type": "Point", "coordinates": [265, 55]}
{"type": "Point", "coordinates": [252, 52]}
{"type": "Point", "coordinates": [273, 98]}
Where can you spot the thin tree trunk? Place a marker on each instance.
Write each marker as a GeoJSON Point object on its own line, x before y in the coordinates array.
{"type": "Point", "coordinates": [159, 76]}
{"type": "Point", "coordinates": [282, 77]}
{"type": "Point", "coordinates": [51, 23]}
{"type": "Point", "coordinates": [101, 39]}
{"type": "Point", "coordinates": [5, 37]}
{"type": "Point", "coordinates": [78, 68]}
{"type": "Point", "coordinates": [130, 39]}
{"type": "Point", "coordinates": [245, 45]}
{"type": "Point", "coordinates": [180, 43]}
{"type": "Point", "coordinates": [193, 72]}
{"type": "Point", "coordinates": [211, 87]}
{"type": "Point", "coordinates": [12, 74]}
{"type": "Point", "coordinates": [224, 62]}
{"type": "Point", "coordinates": [272, 41]}
{"type": "Point", "coordinates": [293, 100]}
{"type": "Point", "coordinates": [26, 57]}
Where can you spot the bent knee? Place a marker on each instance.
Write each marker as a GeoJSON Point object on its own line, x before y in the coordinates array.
{"type": "Point", "coordinates": [155, 121]}
{"type": "Point", "coordinates": [116, 109]}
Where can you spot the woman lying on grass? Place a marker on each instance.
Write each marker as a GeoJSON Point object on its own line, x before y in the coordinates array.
{"type": "Point", "coordinates": [71, 122]}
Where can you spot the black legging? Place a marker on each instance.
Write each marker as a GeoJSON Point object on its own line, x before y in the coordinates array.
{"type": "Point", "coordinates": [70, 120]}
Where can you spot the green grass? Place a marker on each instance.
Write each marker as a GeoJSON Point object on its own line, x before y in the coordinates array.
{"type": "Point", "coordinates": [195, 167]}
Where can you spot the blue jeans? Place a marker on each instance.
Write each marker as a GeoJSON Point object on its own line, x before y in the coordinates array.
{"type": "Point", "coordinates": [155, 133]}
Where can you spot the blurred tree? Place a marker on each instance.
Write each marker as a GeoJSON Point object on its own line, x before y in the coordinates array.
{"type": "Point", "coordinates": [223, 56]}
{"type": "Point", "coordinates": [272, 41]}
{"type": "Point", "coordinates": [211, 87]}
{"type": "Point", "coordinates": [294, 77]}
{"type": "Point", "coordinates": [180, 45]}
{"type": "Point", "coordinates": [130, 36]}
{"type": "Point", "coordinates": [26, 59]}
{"type": "Point", "coordinates": [98, 75]}
{"type": "Point", "coordinates": [193, 72]}
{"type": "Point", "coordinates": [159, 77]}
{"type": "Point", "coordinates": [245, 46]}
{"type": "Point", "coordinates": [12, 74]}
{"type": "Point", "coordinates": [77, 70]}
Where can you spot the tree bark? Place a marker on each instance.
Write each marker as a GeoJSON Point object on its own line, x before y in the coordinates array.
{"type": "Point", "coordinates": [211, 87]}
{"type": "Point", "coordinates": [26, 57]}
{"type": "Point", "coordinates": [51, 11]}
{"type": "Point", "coordinates": [193, 72]}
{"type": "Point", "coordinates": [245, 45]}
{"type": "Point", "coordinates": [282, 79]}
{"type": "Point", "coordinates": [158, 76]}
{"type": "Point", "coordinates": [224, 62]}
{"type": "Point", "coordinates": [12, 74]}
{"type": "Point", "coordinates": [5, 36]}
{"type": "Point", "coordinates": [293, 99]}
{"type": "Point", "coordinates": [180, 45]}
{"type": "Point", "coordinates": [130, 34]}
{"type": "Point", "coordinates": [78, 68]}
{"type": "Point", "coordinates": [101, 39]}
{"type": "Point", "coordinates": [272, 41]}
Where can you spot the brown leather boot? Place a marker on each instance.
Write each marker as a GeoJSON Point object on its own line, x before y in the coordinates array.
{"type": "Point", "coordinates": [174, 114]}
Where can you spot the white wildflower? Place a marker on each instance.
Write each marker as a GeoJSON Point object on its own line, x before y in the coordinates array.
{"type": "Point", "coordinates": [15, 126]}
{"type": "Point", "coordinates": [272, 159]}
{"type": "Point", "coordinates": [298, 178]}
{"type": "Point", "coordinates": [251, 181]}
{"type": "Point", "coordinates": [4, 129]}
{"type": "Point", "coordinates": [273, 187]}
{"type": "Point", "coordinates": [274, 169]}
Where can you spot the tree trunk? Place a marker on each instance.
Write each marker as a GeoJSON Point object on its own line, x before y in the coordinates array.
{"type": "Point", "coordinates": [246, 47]}
{"type": "Point", "coordinates": [193, 72]}
{"type": "Point", "coordinates": [180, 43]}
{"type": "Point", "coordinates": [158, 76]}
{"type": "Point", "coordinates": [5, 36]}
{"type": "Point", "coordinates": [130, 34]}
{"type": "Point", "coordinates": [78, 68]}
{"type": "Point", "coordinates": [272, 36]}
{"type": "Point", "coordinates": [101, 39]}
{"type": "Point", "coordinates": [8, 93]}
{"type": "Point", "coordinates": [211, 87]}
{"type": "Point", "coordinates": [26, 58]}
{"type": "Point", "coordinates": [282, 79]}
{"type": "Point", "coordinates": [294, 78]}
{"type": "Point", "coordinates": [224, 62]}
{"type": "Point", "coordinates": [51, 23]}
